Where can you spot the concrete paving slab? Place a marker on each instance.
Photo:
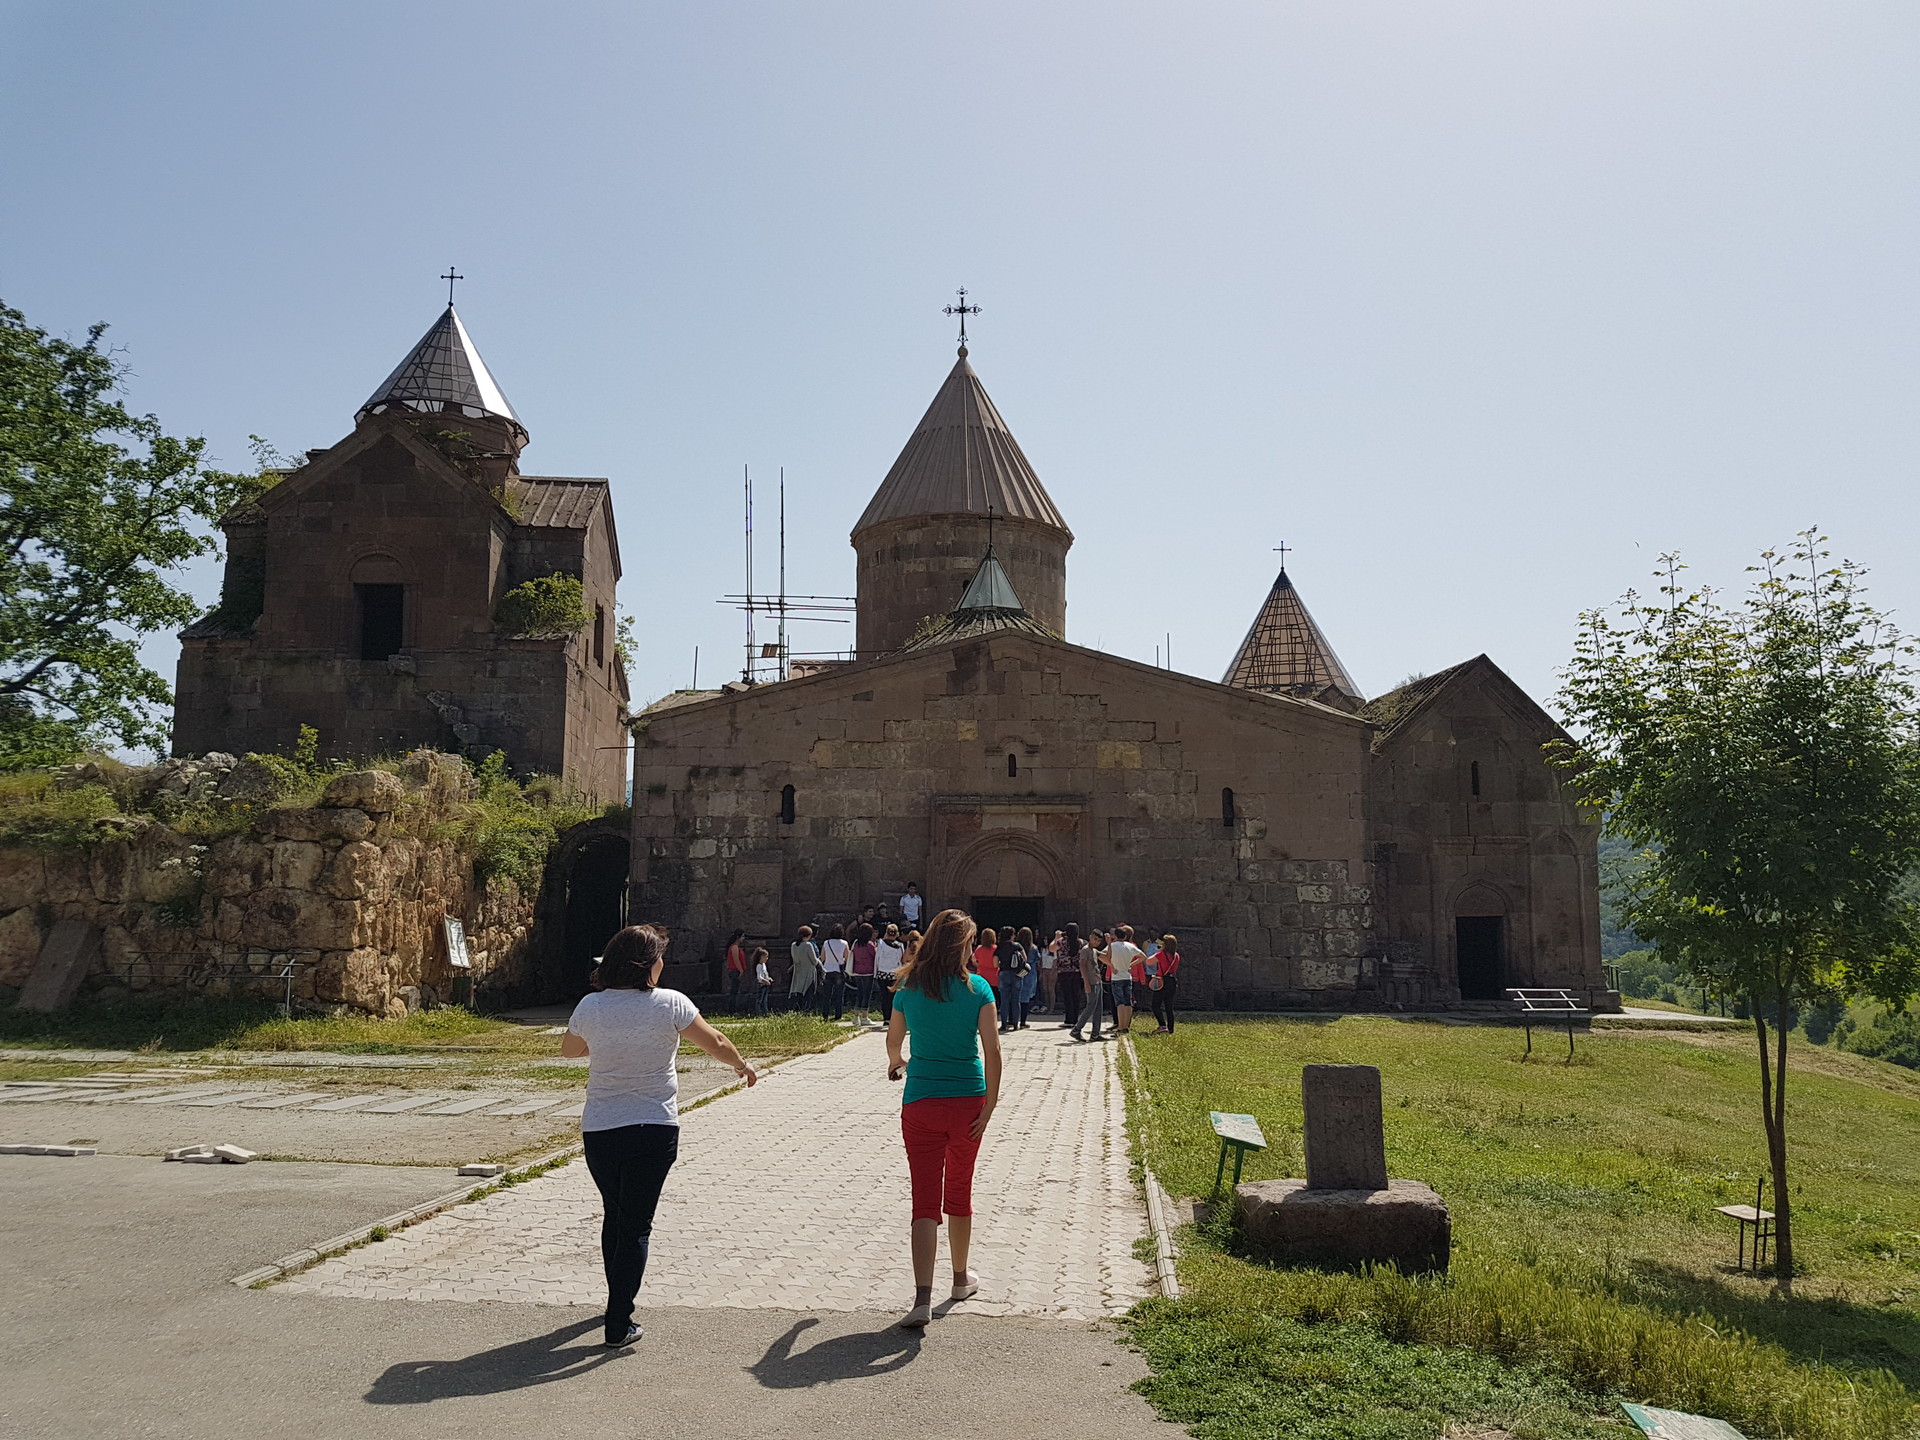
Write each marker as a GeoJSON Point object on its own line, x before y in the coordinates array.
{"type": "Point", "coordinates": [281, 1102]}
{"type": "Point", "coordinates": [402, 1105]}
{"type": "Point", "coordinates": [235, 1098]}
{"type": "Point", "coordinates": [465, 1106]}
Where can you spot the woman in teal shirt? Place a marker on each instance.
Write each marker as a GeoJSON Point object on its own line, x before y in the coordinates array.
{"type": "Point", "coordinates": [953, 1083]}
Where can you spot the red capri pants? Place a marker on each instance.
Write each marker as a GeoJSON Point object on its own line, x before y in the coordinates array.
{"type": "Point", "coordinates": [940, 1153]}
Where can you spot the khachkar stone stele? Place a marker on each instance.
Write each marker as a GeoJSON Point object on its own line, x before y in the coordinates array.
{"type": "Point", "coordinates": [1346, 1212]}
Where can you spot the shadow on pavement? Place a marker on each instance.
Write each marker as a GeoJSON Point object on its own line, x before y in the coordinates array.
{"type": "Point", "coordinates": [845, 1357]}
{"type": "Point", "coordinates": [539, 1361]}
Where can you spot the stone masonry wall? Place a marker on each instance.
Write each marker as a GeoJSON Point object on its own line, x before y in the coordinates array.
{"type": "Point", "coordinates": [1022, 767]}
{"type": "Point", "coordinates": [349, 890]}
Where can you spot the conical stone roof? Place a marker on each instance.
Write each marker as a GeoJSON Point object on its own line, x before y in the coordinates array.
{"type": "Point", "coordinates": [443, 372]}
{"type": "Point", "coordinates": [988, 604]}
{"type": "Point", "coordinates": [1285, 651]}
{"type": "Point", "coordinates": [962, 460]}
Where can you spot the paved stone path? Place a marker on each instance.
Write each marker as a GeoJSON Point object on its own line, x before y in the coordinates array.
{"type": "Point", "coordinates": [793, 1195]}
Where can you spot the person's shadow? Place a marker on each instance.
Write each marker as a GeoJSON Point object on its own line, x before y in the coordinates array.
{"type": "Point", "coordinates": [539, 1361]}
{"type": "Point", "coordinates": [845, 1357]}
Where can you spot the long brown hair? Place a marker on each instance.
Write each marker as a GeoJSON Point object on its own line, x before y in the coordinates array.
{"type": "Point", "coordinates": [942, 956]}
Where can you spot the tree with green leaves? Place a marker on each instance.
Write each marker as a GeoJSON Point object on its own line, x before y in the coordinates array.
{"type": "Point", "coordinates": [1764, 758]}
{"type": "Point", "coordinates": [97, 507]}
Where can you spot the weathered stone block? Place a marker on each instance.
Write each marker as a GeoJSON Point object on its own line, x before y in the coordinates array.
{"type": "Point", "coordinates": [20, 941]}
{"type": "Point", "coordinates": [321, 825]}
{"type": "Point", "coordinates": [70, 950]}
{"type": "Point", "coordinates": [356, 872]}
{"type": "Point", "coordinates": [1345, 1137]}
{"type": "Point", "coordinates": [1405, 1225]}
{"type": "Point", "coordinates": [374, 791]}
{"type": "Point", "coordinates": [296, 864]}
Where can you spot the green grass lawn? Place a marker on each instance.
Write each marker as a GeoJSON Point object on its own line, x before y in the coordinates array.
{"type": "Point", "coordinates": [1588, 1262]}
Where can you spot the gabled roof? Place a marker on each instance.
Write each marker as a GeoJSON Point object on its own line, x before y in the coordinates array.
{"type": "Point", "coordinates": [988, 604]}
{"type": "Point", "coordinates": [962, 460]}
{"type": "Point", "coordinates": [1285, 652]}
{"type": "Point", "coordinates": [564, 502]}
{"type": "Point", "coordinates": [443, 372]}
{"type": "Point", "coordinates": [1394, 711]}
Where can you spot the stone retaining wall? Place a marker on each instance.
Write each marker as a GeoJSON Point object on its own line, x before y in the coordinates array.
{"type": "Point", "coordinates": [354, 890]}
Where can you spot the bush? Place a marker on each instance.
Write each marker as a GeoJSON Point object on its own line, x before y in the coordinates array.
{"type": "Point", "coordinates": [511, 829]}
{"type": "Point", "coordinates": [1644, 975]}
{"type": "Point", "coordinates": [1890, 1037]}
{"type": "Point", "coordinates": [37, 815]}
{"type": "Point", "coordinates": [546, 605]}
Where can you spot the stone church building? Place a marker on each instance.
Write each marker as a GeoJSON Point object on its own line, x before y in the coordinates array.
{"type": "Point", "coordinates": [1309, 847]}
{"type": "Point", "coordinates": [362, 591]}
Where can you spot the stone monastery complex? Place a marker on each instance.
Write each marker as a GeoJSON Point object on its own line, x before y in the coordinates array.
{"type": "Point", "coordinates": [1309, 846]}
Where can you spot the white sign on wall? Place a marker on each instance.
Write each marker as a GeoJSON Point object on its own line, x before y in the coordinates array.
{"type": "Point", "coordinates": [456, 943]}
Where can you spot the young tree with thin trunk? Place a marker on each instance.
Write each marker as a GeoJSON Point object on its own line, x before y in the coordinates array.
{"type": "Point", "coordinates": [1765, 758]}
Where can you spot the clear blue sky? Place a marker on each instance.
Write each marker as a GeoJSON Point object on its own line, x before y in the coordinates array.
{"type": "Point", "coordinates": [1477, 306]}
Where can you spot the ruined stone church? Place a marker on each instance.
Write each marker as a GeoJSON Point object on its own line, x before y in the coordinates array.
{"type": "Point", "coordinates": [363, 592]}
{"type": "Point", "coordinates": [1310, 847]}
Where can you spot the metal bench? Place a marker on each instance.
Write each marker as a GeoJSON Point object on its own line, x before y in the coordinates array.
{"type": "Point", "coordinates": [1238, 1133]}
{"type": "Point", "coordinates": [1548, 1007]}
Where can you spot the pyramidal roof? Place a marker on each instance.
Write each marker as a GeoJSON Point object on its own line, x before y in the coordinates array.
{"type": "Point", "coordinates": [962, 460]}
{"type": "Point", "coordinates": [988, 604]}
{"type": "Point", "coordinates": [443, 372]}
{"type": "Point", "coordinates": [1285, 650]}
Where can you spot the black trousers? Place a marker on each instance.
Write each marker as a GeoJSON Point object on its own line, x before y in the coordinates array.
{"type": "Point", "coordinates": [630, 1166]}
{"type": "Point", "coordinates": [833, 995]}
{"type": "Point", "coordinates": [1163, 1001]}
{"type": "Point", "coordinates": [1068, 988]}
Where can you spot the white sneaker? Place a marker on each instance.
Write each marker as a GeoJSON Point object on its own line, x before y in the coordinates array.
{"type": "Point", "coordinates": [918, 1318]}
{"type": "Point", "coordinates": [965, 1289]}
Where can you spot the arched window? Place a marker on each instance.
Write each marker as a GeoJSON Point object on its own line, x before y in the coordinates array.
{"type": "Point", "coordinates": [1227, 815]}
{"type": "Point", "coordinates": [1013, 766]}
{"type": "Point", "coordinates": [786, 805]}
{"type": "Point", "coordinates": [1473, 777]}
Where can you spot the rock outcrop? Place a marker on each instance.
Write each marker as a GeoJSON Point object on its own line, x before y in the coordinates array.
{"type": "Point", "coordinates": [350, 894]}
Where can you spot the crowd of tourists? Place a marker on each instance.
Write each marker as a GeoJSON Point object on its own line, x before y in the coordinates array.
{"type": "Point", "coordinates": [851, 970]}
{"type": "Point", "coordinates": [945, 996]}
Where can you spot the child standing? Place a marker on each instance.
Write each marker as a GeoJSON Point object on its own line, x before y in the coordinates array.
{"type": "Point", "coordinates": [762, 982]}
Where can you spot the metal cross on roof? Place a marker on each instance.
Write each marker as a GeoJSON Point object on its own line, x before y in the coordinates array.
{"type": "Point", "coordinates": [450, 277]}
{"type": "Point", "coordinates": [963, 310]}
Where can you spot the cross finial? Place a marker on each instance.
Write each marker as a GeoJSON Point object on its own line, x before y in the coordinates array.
{"type": "Point", "coordinates": [963, 310]}
{"type": "Point", "coordinates": [450, 277]}
{"type": "Point", "coordinates": [1283, 548]}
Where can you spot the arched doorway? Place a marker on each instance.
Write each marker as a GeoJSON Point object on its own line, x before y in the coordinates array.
{"type": "Point", "coordinates": [589, 887]}
{"type": "Point", "coordinates": [1007, 879]}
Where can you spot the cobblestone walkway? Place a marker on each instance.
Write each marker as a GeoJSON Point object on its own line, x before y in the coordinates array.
{"type": "Point", "coordinates": [793, 1195]}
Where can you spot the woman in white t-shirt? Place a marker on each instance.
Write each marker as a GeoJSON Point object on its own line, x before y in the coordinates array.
{"type": "Point", "coordinates": [889, 954]}
{"type": "Point", "coordinates": [836, 963]}
{"type": "Point", "coordinates": [631, 1033]}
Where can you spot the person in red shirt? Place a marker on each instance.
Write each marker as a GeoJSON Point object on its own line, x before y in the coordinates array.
{"type": "Point", "coordinates": [1165, 981]}
{"type": "Point", "coordinates": [986, 961]}
{"type": "Point", "coordinates": [736, 969]}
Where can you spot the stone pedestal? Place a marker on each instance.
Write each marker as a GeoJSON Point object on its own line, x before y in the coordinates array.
{"type": "Point", "coordinates": [1404, 1225]}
